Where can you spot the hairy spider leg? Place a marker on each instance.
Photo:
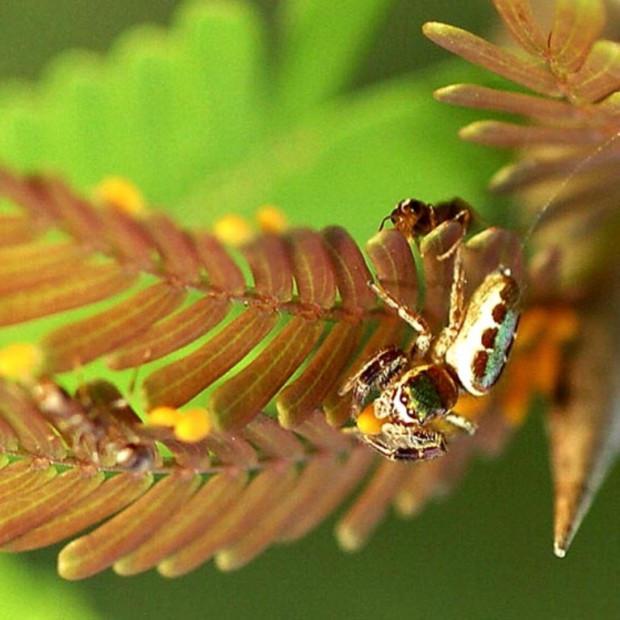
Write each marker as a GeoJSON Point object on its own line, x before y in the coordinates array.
{"type": "Point", "coordinates": [456, 312]}
{"type": "Point", "coordinates": [411, 317]}
{"type": "Point", "coordinates": [376, 374]}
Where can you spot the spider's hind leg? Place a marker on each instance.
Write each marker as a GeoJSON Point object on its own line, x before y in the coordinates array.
{"type": "Point", "coordinates": [460, 422]}
{"type": "Point", "coordinates": [376, 374]}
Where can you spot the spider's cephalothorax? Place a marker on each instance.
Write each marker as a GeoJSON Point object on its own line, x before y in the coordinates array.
{"type": "Point", "coordinates": [417, 391]}
{"type": "Point", "coordinates": [416, 219]}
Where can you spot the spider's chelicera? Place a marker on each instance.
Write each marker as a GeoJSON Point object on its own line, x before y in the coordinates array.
{"type": "Point", "coordinates": [417, 390]}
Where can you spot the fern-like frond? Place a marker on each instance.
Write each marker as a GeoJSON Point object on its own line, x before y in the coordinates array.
{"type": "Point", "coordinates": [305, 317]}
{"type": "Point", "coordinates": [574, 74]}
{"type": "Point", "coordinates": [320, 279]}
{"type": "Point", "coordinates": [228, 497]}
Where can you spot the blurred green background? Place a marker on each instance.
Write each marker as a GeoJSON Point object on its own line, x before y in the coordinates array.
{"type": "Point", "coordinates": [483, 552]}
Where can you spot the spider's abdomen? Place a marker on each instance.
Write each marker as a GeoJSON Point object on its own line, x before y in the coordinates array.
{"type": "Point", "coordinates": [480, 350]}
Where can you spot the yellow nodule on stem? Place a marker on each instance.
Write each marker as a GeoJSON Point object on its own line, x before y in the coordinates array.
{"type": "Point", "coordinates": [367, 422]}
{"type": "Point", "coordinates": [163, 416]}
{"type": "Point", "coordinates": [270, 219]}
{"type": "Point", "coordinates": [120, 194]}
{"type": "Point", "coordinates": [19, 360]}
{"type": "Point", "coordinates": [233, 230]}
{"type": "Point", "coordinates": [193, 425]}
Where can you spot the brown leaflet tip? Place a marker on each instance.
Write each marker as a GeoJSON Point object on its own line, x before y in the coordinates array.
{"type": "Point", "coordinates": [583, 425]}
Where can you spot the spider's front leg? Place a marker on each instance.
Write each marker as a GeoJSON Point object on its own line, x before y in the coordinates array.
{"type": "Point", "coordinates": [376, 374]}
{"type": "Point", "coordinates": [411, 317]}
{"type": "Point", "coordinates": [456, 311]}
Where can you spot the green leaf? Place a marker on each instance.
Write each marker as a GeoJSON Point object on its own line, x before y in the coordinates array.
{"type": "Point", "coordinates": [31, 594]}
{"type": "Point", "coordinates": [322, 42]}
{"type": "Point", "coordinates": [184, 102]}
{"type": "Point", "coordinates": [197, 119]}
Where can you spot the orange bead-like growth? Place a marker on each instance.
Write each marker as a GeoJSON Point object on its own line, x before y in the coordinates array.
{"type": "Point", "coordinates": [193, 425]}
{"type": "Point", "coordinates": [367, 422]}
{"type": "Point", "coordinates": [122, 195]}
{"type": "Point", "coordinates": [19, 360]}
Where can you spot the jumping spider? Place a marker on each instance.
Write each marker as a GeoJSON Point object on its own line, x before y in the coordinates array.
{"type": "Point", "coordinates": [416, 219]}
{"type": "Point", "coordinates": [418, 390]}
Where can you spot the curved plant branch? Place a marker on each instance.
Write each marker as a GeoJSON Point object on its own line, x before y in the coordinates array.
{"type": "Point", "coordinates": [260, 482]}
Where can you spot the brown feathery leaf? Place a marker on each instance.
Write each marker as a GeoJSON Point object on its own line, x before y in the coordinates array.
{"type": "Point", "coordinates": [271, 269]}
{"type": "Point", "coordinates": [108, 498]}
{"type": "Point", "coordinates": [99, 549]}
{"type": "Point", "coordinates": [81, 342]}
{"type": "Point", "coordinates": [215, 498]}
{"type": "Point", "coordinates": [180, 381]}
{"type": "Point", "coordinates": [22, 512]}
{"type": "Point", "coordinates": [574, 238]}
{"type": "Point", "coordinates": [576, 26]}
{"type": "Point", "coordinates": [524, 71]}
{"type": "Point", "coordinates": [241, 398]}
{"type": "Point", "coordinates": [484, 98]}
{"type": "Point", "coordinates": [266, 483]}
{"type": "Point", "coordinates": [357, 524]}
{"type": "Point", "coordinates": [297, 401]}
{"type": "Point", "coordinates": [171, 333]}
{"type": "Point", "coordinates": [518, 18]}
{"type": "Point", "coordinates": [81, 286]}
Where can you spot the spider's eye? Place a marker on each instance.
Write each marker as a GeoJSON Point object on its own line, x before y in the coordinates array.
{"type": "Point", "coordinates": [409, 207]}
